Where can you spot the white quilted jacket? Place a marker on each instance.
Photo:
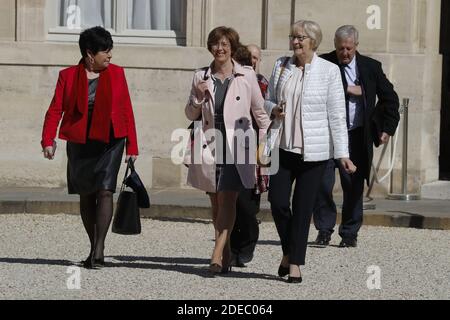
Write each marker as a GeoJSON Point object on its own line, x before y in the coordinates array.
{"type": "Point", "coordinates": [323, 109]}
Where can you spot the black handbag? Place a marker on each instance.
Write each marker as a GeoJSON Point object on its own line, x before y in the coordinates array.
{"type": "Point", "coordinates": [127, 218]}
{"type": "Point", "coordinates": [134, 182]}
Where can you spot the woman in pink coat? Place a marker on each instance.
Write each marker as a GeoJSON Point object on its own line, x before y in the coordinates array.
{"type": "Point", "coordinates": [223, 151]}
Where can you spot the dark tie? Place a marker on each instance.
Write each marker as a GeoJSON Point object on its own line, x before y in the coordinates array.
{"type": "Point", "coordinates": [342, 68]}
{"type": "Point", "coordinates": [344, 81]}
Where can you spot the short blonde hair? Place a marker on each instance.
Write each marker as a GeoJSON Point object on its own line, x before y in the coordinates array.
{"type": "Point", "coordinates": [312, 30]}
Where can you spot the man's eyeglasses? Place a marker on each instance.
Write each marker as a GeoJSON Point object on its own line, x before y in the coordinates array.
{"type": "Point", "coordinates": [299, 38]}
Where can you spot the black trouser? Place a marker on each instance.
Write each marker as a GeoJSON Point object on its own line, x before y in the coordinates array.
{"type": "Point", "coordinates": [324, 214]}
{"type": "Point", "coordinates": [352, 187]}
{"type": "Point", "coordinates": [293, 227]}
{"type": "Point", "coordinates": [246, 228]}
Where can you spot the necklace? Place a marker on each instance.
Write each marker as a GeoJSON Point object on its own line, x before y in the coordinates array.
{"type": "Point", "coordinates": [228, 71]}
{"type": "Point", "coordinates": [222, 76]}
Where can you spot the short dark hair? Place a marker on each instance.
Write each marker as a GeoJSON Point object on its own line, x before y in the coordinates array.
{"type": "Point", "coordinates": [243, 56]}
{"type": "Point", "coordinates": [95, 39]}
{"type": "Point", "coordinates": [218, 33]}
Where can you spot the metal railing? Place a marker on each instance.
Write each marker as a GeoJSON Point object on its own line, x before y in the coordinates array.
{"type": "Point", "coordinates": [393, 143]}
{"type": "Point", "coordinates": [404, 195]}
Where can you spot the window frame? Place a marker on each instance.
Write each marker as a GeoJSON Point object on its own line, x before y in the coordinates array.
{"type": "Point", "coordinates": [119, 30]}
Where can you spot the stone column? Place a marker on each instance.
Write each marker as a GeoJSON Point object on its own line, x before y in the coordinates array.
{"type": "Point", "coordinates": [279, 19]}
{"type": "Point", "coordinates": [7, 20]}
{"type": "Point", "coordinates": [198, 22]}
{"type": "Point", "coordinates": [246, 17]}
{"type": "Point", "coordinates": [31, 20]}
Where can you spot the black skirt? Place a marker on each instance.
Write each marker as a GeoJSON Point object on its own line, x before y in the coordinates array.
{"type": "Point", "coordinates": [93, 166]}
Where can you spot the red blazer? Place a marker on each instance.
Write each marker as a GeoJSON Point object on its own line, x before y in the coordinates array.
{"type": "Point", "coordinates": [122, 117]}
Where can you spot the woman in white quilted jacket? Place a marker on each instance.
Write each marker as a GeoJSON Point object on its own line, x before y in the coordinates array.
{"type": "Point", "coordinates": [307, 103]}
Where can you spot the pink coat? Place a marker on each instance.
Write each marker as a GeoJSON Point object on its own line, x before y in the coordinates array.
{"type": "Point", "coordinates": [243, 96]}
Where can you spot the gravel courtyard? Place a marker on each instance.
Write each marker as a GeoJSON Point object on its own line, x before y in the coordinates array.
{"type": "Point", "coordinates": [169, 260]}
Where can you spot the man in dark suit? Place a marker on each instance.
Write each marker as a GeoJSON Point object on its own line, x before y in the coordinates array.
{"type": "Point", "coordinates": [369, 122]}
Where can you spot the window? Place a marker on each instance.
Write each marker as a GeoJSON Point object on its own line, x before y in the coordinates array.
{"type": "Point", "coordinates": [154, 14]}
{"type": "Point", "coordinates": [76, 14]}
{"type": "Point", "coordinates": [129, 21]}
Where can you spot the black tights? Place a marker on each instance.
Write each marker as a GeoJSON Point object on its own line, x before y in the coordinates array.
{"type": "Point", "coordinates": [96, 212]}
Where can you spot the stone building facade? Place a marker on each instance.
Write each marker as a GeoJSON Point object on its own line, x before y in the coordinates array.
{"type": "Point", "coordinates": [36, 42]}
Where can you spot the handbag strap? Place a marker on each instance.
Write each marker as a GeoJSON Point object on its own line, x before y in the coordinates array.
{"type": "Point", "coordinates": [283, 67]}
{"type": "Point", "coordinates": [205, 69]}
{"type": "Point", "coordinates": [205, 77]}
{"type": "Point", "coordinates": [130, 166]}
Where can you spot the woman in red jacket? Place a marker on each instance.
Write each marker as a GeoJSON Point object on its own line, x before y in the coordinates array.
{"type": "Point", "coordinates": [93, 101]}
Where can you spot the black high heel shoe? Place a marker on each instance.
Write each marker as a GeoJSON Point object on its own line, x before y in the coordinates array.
{"type": "Point", "coordinates": [225, 269]}
{"type": "Point", "coordinates": [91, 263]}
{"type": "Point", "coordinates": [283, 271]}
{"type": "Point", "coordinates": [87, 263]}
{"type": "Point", "coordinates": [294, 279]}
{"type": "Point", "coordinates": [99, 263]}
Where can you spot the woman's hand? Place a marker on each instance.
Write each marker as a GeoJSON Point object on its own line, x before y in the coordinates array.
{"type": "Point", "coordinates": [128, 157]}
{"type": "Point", "coordinates": [202, 87]}
{"type": "Point", "coordinates": [278, 111]}
{"type": "Point", "coordinates": [49, 152]}
{"type": "Point", "coordinates": [348, 165]}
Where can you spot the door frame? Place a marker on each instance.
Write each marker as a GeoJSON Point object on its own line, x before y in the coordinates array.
{"type": "Point", "coordinates": [444, 49]}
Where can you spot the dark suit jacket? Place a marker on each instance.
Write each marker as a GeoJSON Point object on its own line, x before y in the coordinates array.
{"type": "Point", "coordinates": [379, 116]}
